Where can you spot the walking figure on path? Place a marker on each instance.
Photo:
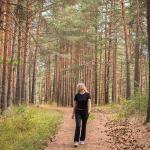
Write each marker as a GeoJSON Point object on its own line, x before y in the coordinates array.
{"type": "Point", "coordinates": [81, 111]}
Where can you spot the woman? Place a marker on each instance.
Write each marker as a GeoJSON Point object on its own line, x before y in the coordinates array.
{"type": "Point", "coordinates": [81, 111]}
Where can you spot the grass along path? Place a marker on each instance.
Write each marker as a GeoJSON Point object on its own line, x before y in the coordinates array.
{"type": "Point", "coordinates": [28, 128]}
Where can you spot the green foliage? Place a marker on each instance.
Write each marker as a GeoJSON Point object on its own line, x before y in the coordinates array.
{"type": "Point", "coordinates": [25, 128]}
{"type": "Point", "coordinates": [136, 106]}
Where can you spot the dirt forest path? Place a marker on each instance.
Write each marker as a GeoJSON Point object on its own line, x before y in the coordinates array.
{"type": "Point", "coordinates": [102, 134]}
{"type": "Point", "coordinates": [96, 138]}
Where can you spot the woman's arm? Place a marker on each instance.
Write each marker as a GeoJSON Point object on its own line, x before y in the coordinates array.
{"type": "Point", "coordinates": [74, 107]}
{"type": "Point", "coordinates": [89, 106]}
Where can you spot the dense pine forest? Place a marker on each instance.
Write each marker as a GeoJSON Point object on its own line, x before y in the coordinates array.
{"type": "Point", "coordinates": [48, 46]}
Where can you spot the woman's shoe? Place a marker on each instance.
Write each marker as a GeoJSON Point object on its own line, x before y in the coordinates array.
{"type": "Point", "coordinates": [81, 143]}
{"type": "Point", "coordinates": [76, 144]}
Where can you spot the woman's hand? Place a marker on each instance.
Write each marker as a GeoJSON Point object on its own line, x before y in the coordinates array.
{"type": "Point", "coordinates": [73, 116]}
{"type": "Point", "coordinates": [89, 106]}
{"type": "Point", "coordinates": [74, 108]}
{"type": "Point", "coordinates": [89, 112]}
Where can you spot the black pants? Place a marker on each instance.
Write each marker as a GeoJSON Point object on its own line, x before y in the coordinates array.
{"type": "Point", "coordinates": [81, 116]}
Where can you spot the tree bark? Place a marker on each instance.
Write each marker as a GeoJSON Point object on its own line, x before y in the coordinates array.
{"type": "Point", "coordinates": [148, 31]}
{"type": "Point", "coordinates": [10, 74]}
{"type": "Point", "coordinates": [25, 58]}
{"type": "Point", "coordinates": [127, 51]}
{"type": "Point", "coordinates": [4, 71]}
{"type": "Point", "coordinates": [137, 48]}
{"type": "Point", "coordinates": [35, 62]}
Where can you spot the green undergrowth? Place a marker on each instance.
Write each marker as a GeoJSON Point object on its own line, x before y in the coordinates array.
{"type": "Point", "coordinates": [28, 128]}
{"type": "Point", "coordinates": [137, 105]}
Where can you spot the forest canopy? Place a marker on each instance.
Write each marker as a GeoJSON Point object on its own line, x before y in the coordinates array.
{"type": "Point", "coordinates": [48, 46]}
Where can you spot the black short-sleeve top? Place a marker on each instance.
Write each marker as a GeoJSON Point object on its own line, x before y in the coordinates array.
{"type": "Point", "coordinates": [82, 100]}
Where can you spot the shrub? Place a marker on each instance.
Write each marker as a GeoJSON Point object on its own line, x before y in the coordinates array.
{"type": "Point", "coordinates": [136, 105]}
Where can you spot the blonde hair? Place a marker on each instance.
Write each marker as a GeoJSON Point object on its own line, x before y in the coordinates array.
{"type": "Point", "coordinates": [85, 89]}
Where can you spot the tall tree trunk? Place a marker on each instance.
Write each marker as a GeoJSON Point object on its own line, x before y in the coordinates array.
{"type": "Point", "coordinates": [30, 76]}
{"type": "Point", "coordinates": [108, 61]}
{"type": "Point", "coordinates": [35, 62]}
{"type": "Point", "coordinates": [121, 79]}
{"type": "Point", "coordinates": [24, 77]}
{"type": "Point", "coordinates": [127, 51]}
{"type": "Point", "coordinates": [96, 64]}
{"type": "Point", "coordinates": [10, 74]}
{"type": "Point", "coordinates": [18, 84]}
{"type": "Point", "coordinates": [114, 82]}
{"type": "Point", "coordinates": [137, 47]}
{"type": "Point", "coordinates": [148, 31]}
{"type": "Point", "coordinates": [106, 93]}
{"type": "Point", "coordinates": [4, 71]}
